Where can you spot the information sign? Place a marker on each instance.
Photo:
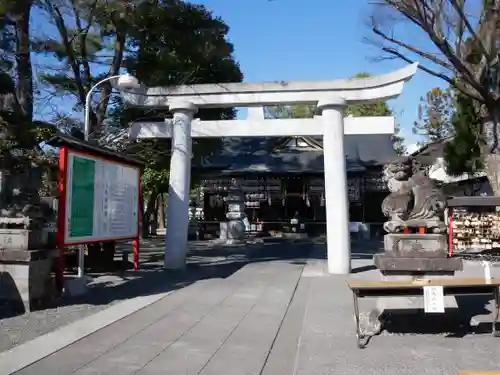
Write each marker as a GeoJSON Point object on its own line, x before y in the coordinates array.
{"type": "Point", "coordinates": [102, 199]}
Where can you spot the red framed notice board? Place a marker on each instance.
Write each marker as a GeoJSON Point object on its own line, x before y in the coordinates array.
{"type": "Point", "coordinates": [99, 199]}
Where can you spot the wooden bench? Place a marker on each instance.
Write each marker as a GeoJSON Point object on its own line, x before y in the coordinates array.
{"type": "Point", "coordinates": [414, 288]}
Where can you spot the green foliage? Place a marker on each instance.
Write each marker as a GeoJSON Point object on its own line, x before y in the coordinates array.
{"type": "Point", "coordinates": [435, 113]}
{"type": "Point", "coordinates": [398, 142]}
{"type": "Point", "coordinates": [154, 178]}
{"type": "Point", "coordinates": [368, 109]}
{"type": "Point", "coordinates": [173, 43]}
{"type": "Point", "coordinates": [162, 43]}
{"type": "Point", "coordinates": [307, 111]}
{"type": "Point", "coordinates": [463, 154]}
{"type": "Point", "coordinates": [289, 111]}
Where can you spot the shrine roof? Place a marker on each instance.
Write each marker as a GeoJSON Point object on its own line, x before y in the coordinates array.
{"type": "Point", "coordinates": [258, 155]}
{"type": "Point", "coordinates": [79, 145]}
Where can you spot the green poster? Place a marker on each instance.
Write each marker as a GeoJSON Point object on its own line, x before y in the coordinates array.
{"type": "Point", "coordinates": [82, 197]}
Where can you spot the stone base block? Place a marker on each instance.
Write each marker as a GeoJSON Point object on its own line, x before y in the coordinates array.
{"type": "Point", "coordinates": [426, 245]}
{"type": "Point", "coordinates": [295, 236]}
{"type": "Point", "coordinates": [232, 230]}
{"type": "Point", "coordinates": [28, 282]}
{"type": "Point", "coordinates": [23, 239]}
{"type": "Point", "coordinates": [223, 231]}
{"type": "Point", "coordinates": [389, 264]}
{"type": "Point", "coordinates": [76, 286]}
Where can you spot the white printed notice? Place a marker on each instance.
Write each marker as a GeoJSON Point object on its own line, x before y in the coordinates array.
{"type": "Point", "coordinates": [102, 199]}
{"type": "Point", "coordinates": [433, 299]}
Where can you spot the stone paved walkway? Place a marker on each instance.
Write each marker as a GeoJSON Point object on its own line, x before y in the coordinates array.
{"type": "Point", "coordinates": [271, 317]}
{"type": "Point", "coordinates": [214, 326]}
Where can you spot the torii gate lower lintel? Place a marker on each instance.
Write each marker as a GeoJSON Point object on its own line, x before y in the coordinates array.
{"type": "Point", "coordinates": [331, 98]}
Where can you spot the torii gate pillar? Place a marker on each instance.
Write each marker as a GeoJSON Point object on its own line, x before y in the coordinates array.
{"type": "Point", "coordinates": [337, 202]}
{"type": "Point", "coordinates": [179, 185]}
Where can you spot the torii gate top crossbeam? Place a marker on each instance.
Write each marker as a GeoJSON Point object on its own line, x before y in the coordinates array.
{"type": "Point", "coordinates": [223, 95]}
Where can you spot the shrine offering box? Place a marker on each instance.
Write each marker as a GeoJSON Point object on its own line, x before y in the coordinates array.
{"type": "Point", "coordinates": [473, 224]}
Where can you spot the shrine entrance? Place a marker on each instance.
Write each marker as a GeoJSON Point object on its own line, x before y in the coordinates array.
{"type": "Point", "coordinates": [330, 97]}
{"type": "Point", "coordinates": [295, 204]}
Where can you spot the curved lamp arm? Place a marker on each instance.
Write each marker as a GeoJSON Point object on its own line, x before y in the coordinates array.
{"type": "Point", "coordinates": [88, 97]}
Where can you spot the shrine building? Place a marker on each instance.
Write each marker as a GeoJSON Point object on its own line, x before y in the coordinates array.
{"type": "Point", "coordinates": [283, 176]}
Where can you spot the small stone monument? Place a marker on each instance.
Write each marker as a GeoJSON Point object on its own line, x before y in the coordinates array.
{"type": "Point", "coordinates": [233, 231]}
{"type": "Point", "coordinates": [415, 204]}
{"type": "Point", "coordinates": [25, 257]}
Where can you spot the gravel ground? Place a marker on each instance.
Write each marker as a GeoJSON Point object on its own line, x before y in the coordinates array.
{"type": "Point", "coordinates": [412, 344]}
{"type": "Point", "coordinates": [20, 329]}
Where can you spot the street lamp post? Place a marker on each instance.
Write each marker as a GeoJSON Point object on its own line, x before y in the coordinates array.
{"type": "Point", "coordinates": [125, 81]}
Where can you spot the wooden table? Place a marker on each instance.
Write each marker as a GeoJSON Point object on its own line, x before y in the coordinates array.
{"type": "Point", "coordinates": [414, 288]}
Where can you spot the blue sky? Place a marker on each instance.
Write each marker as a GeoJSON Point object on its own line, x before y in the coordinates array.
{"type": "Point", "coordinates": [299, 40]}
{"type": "Point", "coordinates": [312, 40]}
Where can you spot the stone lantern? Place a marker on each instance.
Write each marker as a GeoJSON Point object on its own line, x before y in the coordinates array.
{"type": "Point", "coordinates": [233, 231]}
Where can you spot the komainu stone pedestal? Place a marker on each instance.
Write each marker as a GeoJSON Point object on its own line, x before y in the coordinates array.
{"type": "Point", "coordinates": [25, 275]}
{"type": "Point", "coordinates": [26, 278]}
{"type": "Point", "coordinates": [416, 254]}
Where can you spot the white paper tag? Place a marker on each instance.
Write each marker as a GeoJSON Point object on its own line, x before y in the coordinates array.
{"type": "Point", "coordinates": [487, 271]}
{"type": "Point", "coordinates": [433, 299]}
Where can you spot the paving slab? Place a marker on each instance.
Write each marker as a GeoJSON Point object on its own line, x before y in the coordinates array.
{"type": "Point", "coordinates": [190, 331]}
{"type": "Point", "coordinates": [273, 315]}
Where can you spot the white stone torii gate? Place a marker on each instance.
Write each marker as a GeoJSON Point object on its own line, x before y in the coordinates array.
{"type": "Point", "coordinates": [330, 97]}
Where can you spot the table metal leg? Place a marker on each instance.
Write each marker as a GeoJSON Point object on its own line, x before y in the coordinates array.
{"type": "Point", "coordinates": [496, 297]}
{"type": "Point", "coordinates": [361, 337]}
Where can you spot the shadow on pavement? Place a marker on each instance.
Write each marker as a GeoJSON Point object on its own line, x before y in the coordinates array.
{"type": "Point", "coordinates": [203, 263]}
{"type": "Point", "coordinates": [455, 322]}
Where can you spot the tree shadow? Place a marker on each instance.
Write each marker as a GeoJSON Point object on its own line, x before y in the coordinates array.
{"type": "Point", "coordinates": [149, 281]}
{"type": "Point", "coordinates": [202, 264]}
{"type": "Point", "coordinates": [366, 249]}
{"type": "Point", "coordinates": [205, 261]}
{"type": "Point", "coordinates": [454, 323]}
{"type": "Point", "coordinates": [11, 303]}
{"type": "Point", "coordinates": [362, 269]}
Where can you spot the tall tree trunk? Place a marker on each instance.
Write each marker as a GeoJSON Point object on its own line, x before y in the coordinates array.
{"type": "Point", "coordinates": [24, 86]}
{"type": "Point", "coordinates": [161, 211]}
{"type": "Point", "coordinates": [154, 218]}
{"type": "Point", "coordinates": [491, 134]}
{"type": "Point", "coordinates": [144, 230]}
{"type": "Point", "coordinates": [146, 218]}
{"type": "Point", "coordinates": [492, 165]}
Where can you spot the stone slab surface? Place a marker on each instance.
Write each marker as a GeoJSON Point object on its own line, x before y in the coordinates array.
{"type": "Point", "coordinates": [277, 316]}
{"type": "Point", "coordinates": [208, 326]}
{"type": "Point", "coordinates": [35, 350]}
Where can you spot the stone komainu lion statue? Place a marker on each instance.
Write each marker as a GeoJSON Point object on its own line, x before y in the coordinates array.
{"type": "Point", "coordinates": [414, 201]}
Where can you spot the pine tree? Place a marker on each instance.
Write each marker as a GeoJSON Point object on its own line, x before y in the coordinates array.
{"type": "Point", "coordinates": [435, 113]}
{"type": "Point", "coordinates": [463, 154]}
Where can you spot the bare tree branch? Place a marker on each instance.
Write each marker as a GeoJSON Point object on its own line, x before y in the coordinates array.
{"type": "Point", "coordinates": [432, 17]}
{"type": "Point", "coordinates": [459, 8]}
{"type": "Point", "coordinates": [410, 48]}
